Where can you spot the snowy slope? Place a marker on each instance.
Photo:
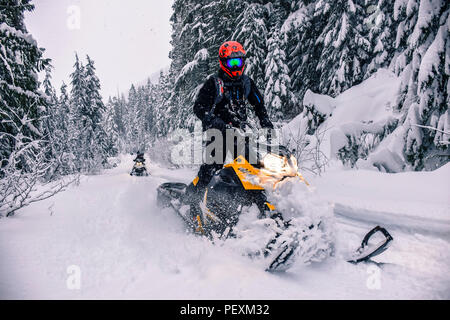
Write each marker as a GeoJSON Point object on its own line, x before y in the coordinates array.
{"type": "Point", "coordinates": [362, 112]}
{"type": "Point", "coordinates": [127, 248]}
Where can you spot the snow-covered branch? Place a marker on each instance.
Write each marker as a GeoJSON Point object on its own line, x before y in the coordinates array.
{"type": "Point", "coordinates": [431, 128]}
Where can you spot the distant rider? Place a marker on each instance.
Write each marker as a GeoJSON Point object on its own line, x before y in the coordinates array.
{"type": "Point", "coordinates": [139, 157]}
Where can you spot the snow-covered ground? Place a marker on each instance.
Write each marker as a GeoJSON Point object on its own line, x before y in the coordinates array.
{"type": "Point", "coordinates": [126, 248]}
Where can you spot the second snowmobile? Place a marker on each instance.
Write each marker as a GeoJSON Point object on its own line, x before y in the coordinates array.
{"type": "Point", "coordinates": [139, 168]}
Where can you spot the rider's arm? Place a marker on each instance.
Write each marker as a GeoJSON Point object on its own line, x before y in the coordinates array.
{"type": "Point", "coordinates": [205, 99]}
{"type": "Point", "coordinates": [256, 99]}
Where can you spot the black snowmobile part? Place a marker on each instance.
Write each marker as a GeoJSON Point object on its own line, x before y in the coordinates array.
{"type": "Point", "coordinates": [380, 249]}
{"type": "Point", "coordinates": [283, 260]}
{"type": "Point", "coordinates": [171, 195]}
{"type": "Point", "coordinates": [168, 192]}
{"type": "Point", "coordinates": [139, 171]}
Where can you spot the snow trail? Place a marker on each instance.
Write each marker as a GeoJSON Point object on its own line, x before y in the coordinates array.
{"type": "Point", "coordinates": [127, 248]}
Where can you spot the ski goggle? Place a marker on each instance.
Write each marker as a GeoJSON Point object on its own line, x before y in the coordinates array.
{"type": "Point", "coordinates": [235, 62]}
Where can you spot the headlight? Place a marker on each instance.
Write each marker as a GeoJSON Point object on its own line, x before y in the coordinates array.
{"type": "Point", "coordinates": [280, 165]}
{"type": "Point", "coordinates": [273, 162]}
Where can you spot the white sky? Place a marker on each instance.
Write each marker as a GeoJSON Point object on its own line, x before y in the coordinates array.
{"type": "Point", "coordinates": [128, 40]}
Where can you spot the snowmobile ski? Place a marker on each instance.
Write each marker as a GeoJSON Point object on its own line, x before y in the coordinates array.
{"type": "Point", "coordinates": [367, 251]}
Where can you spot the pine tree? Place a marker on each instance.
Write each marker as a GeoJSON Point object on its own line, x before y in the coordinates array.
{"type": "Point", "coordinates": [221, 21]}
{"type": "Point", "coordinates": [21, 103]}
{"type": "Point", "coordinates": [251, 31]}
{"type": "Point", "coordinates": [51, 120]}
{"type": "Point", "coordinates": [111, 130]}
{"type": "Point", "coordinates": [131, 122]}
{"type": "Point", "coordinates": [88, 137]}
{"type": "Point", "coordinates": [190, 65]}
{"type": "Point", "coordinates": [381, 33]}
{"type": "Point", "coordinates": [162, 100]}
{"type": "Point", "coordinates": [25, 160]}
{"type": "Point", "coordinates": [300, 30]}
{"type": "Point", "coordinates": [78, 103]}
{"type": "Point", "coordinates": [346, 49]}
{"type": "Point", "coordinates": [425, 85]}
{"type": "Point", "coordinates": [278, 96]}
{"type": "Point", "coordinates": [150, 101]}
{"type": "Point", "coordinates": [66, 132]}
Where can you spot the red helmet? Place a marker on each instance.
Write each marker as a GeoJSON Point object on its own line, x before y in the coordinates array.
{"type": "Point", "coordinates": [232, 59]}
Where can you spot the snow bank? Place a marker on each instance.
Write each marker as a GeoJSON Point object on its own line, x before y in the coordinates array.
{"type": "Point", "coordinates": [424, 195]}
{"type": "Point", "coordinates": [322, 103]}
{"type": "Point", "coordinates": [353, 124]}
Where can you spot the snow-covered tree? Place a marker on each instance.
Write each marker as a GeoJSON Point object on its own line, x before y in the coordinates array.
{"type": "Point", "coordinates": [24, 148]}
{"type": "Point", "coordinates": [251, 31]}
{"type": "Point", "coordinates": [88, 137]}
{"type": "Point", "coordinates": [300, 31]}
{"type": "Point", "coordinates": [162, 94]}
{"type": "Point", "coordinates": [111, 130]}
{"type": "Point", "coordinates": [277, 96]}
{"type": "Point", "coordinates": [65, 125]}
{"type": "Point", "coordinates": [21, 102]}
{"type": "Point", "coordinates": [425, 87]}
{"type": "Point", "coordinates": [382, 28]}
{"type": "Point", "coordinates": [345, 47]}
{"type": "Point", "coordinates": [325, 46]}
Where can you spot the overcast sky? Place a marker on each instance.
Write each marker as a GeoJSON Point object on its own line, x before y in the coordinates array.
{"type": "Point", "coordinates": [128, 40]}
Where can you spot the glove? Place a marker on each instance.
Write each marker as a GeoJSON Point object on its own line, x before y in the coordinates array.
{"type": "Point", "coordinates": [214, 122]}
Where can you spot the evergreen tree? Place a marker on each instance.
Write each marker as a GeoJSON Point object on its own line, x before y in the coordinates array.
{"type": "Point", "coordinates": [88, 137]}
{"type": "Point", "coordinates": [111, 130]}
{"type": "Point", "coordinates": [51, 120]}
{"type": "Point", "coordinates": [132, 121]}
{"type": "Point", "coordinates": [25, 114]}
{"type": "Point", "coordinates": [251, 31]}
{"type": "Point", "coordinates": [150, 101]}
{"type": "Point", "coordinates": [65, 125]}
{"type": "Point", "coordinates": [278, 96]}
{"type": "Point", "coordinates": [22, 105]}
{"type": "Point", "coordinates": [221, 22]}
{"type": "Point", "coordinates": [78, 103]}
{"type": "Point", "coordinates": [300, 30]}
{"type": "Point", "coordinates": [345, 48]}
{"type": "Point", "coordinates": [162, 100]}
{"type": "Point", "coordinates": [190, 53]}
{"type": "Point", "coordinates": [381, 33]}
{"type": "Point", "coordinates": [425, 81]}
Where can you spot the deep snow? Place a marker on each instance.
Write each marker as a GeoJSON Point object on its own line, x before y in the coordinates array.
{"type": "Point", "coordinates": [127, 248]}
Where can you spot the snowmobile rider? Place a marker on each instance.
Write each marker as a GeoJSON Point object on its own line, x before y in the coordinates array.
{"type": "Point", "coordinates": [221, 104]}
{"type": "Point", "coordinates": [139, 157]}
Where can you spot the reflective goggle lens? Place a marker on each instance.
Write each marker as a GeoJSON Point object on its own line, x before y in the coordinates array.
{"type": "Point", "coordinates": [235, 62]}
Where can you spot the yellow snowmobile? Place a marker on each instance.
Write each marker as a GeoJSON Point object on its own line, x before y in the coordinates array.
{"type": "Point", "coordinates": [239, 185]}
{"type": "Point", "coordinates": [236, 186]}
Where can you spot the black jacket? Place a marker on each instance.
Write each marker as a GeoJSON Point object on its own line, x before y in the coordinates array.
{"type": "Point", "coordinates": [234, 113]}
{"type": "Point", "coordinates": [140, 158]}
